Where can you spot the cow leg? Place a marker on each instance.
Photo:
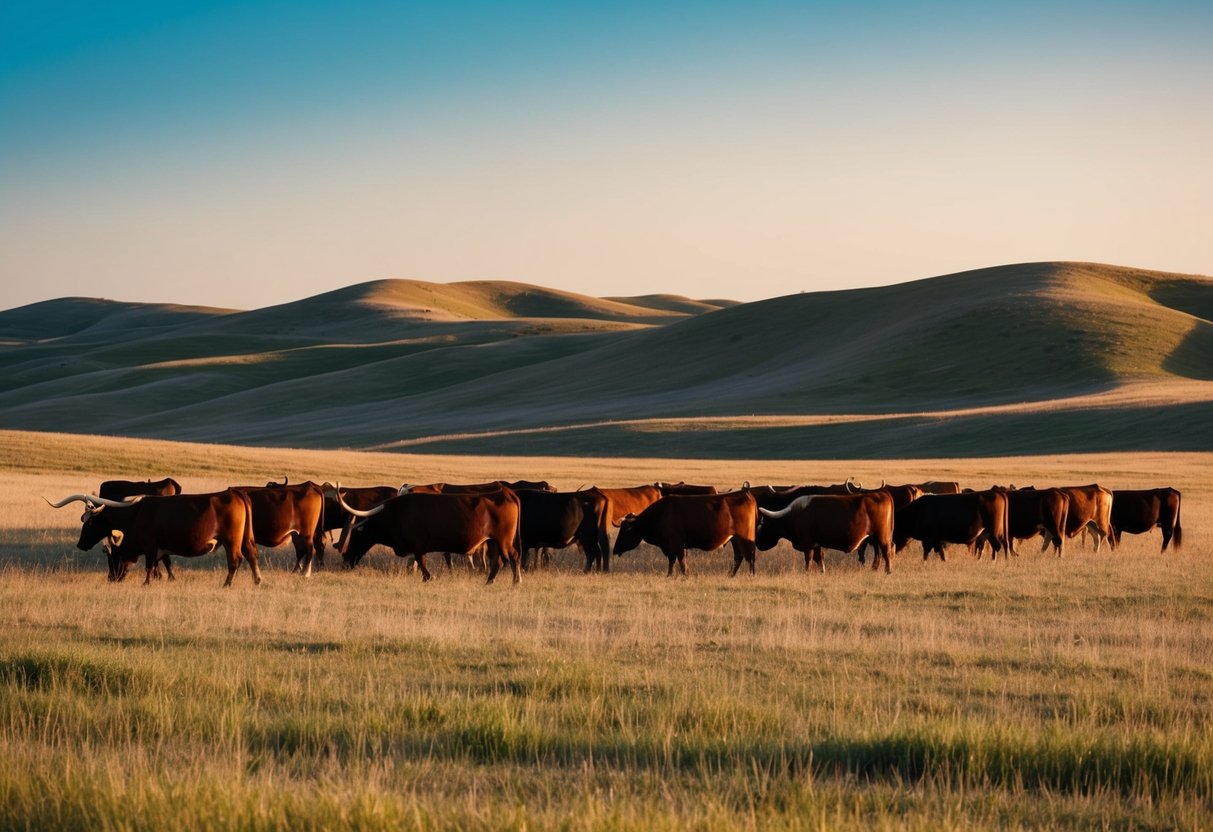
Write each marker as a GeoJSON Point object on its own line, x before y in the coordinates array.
{"type": "Point", "coordinates": [1166, 538]}
{"type": "Point", "coordinates": [863, 549]}
{"type": "Point", "coordinates": [494, 564]}
{"type": "Point", "coordinates": [425, 573]}
{"type": "Point", "coordinates": [233, 563]}
{"type": "Point", "coordinates": [682, 562]}
{"type": "Point", "coordinates": [808, 557]}
{"type": "Point", "coordinates": [168, 566]}
{"type": "Point", "coordinates": [738, 557]}
{"type": "Point", "coordinates": [819, 557]}
{"type": "Point", "coordinates": [515, 568]}
{"type": "Point", "coordinates": [152, 560]}
{"type": "Point", "coordinates": [447, 557]}
{"type": "Point", "coordinates": [304, 552]}
{"type": "Point", "coordinates": [672, 556]}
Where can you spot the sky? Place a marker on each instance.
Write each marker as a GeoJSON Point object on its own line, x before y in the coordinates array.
{"type": "Point", "coordinates": [240, 154]}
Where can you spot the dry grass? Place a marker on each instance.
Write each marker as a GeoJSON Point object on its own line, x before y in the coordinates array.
{"type": "Point", "coordinates": [1037, 693]}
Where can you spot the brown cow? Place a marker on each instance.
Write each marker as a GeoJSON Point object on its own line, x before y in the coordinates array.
{"type": "Point", "coordinates": [833, 522]}
{"type": "Point", "coordinates": [188, 525]}
{"type": "Point", "coordinates": [624, 501]}
{"type": "Point", "coordinates": [417, 524]}
{"type": "Point", "coordinates": [1090, 508]}
{"type": "Point", "coordinates": [121, 489]}
{"type": "Point", "coordinates": [1137, 512]}
{"type": "Point", "coordinates": [1034, 511]}
{"type": "Point", "coordinates": [707, 522]}
{"type": "Point", "coordinates": [936, 519]}
{"type": "Point", "coordinates": [294, 512]}
{"type": "Point", "coordinates": [902, 495]}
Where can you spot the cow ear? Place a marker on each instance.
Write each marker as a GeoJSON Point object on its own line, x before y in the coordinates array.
{"type": "Point", "coordinates": [116, 535]}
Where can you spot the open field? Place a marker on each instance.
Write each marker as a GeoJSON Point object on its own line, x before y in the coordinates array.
{"type": "Point", "coordinates": [1033, 693]}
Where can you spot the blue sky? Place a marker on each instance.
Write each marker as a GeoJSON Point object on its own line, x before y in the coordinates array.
{"type": "Point", "coordinates": [239, 154]}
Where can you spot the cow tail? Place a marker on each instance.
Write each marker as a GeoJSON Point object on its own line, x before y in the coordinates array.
{"type": "Point", "coordinates": [250, 544]}
{"type": "Point", "coordinates": [1177, 532]}
{"type": "Point", "coordinates": [1006, 524]}
{"type": "Point", "coordinates": [518, 531]}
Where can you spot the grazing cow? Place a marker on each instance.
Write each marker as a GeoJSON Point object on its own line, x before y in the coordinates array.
{"type": "Point", "coordinates": [1091, 509]}
{"type": "Point", "coordinates": [707, 522]}
{"type": "Point", "coordinates": [335, 517]}
{"type": "Point", "coordinates": [417, 524]}
{"type": "Point", "coordinates": [682, 489]}
{"type": "Point", "coordinates": [936, 519]}
{"type": "Point", "coordinates": [554, 520]}
{"type": "Point", "coordinates": [1034, 511]}
{"type": "Point", "coordinates": [1137, 512]}
{"type": "Point", "coordinates": [188, 525]}
{"type": "Point", "coordinates": [833, 522]}
{"type": "Point", "coordinates": [939, 487]}
{"type": "Point", "coordinates": [294, 512]}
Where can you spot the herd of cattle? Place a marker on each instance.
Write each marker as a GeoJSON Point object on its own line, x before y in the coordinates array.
{"type": "Point", "coordinates": [508, 521]}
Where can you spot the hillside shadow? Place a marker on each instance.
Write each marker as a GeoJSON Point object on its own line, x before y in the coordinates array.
{"type": "Point", "coordinates": [1193, 358]}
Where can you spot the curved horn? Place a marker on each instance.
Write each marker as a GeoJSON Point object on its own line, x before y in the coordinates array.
{"type": "Point", "coordinates": [404, 488]}
{"type": "Point", "coordinates": [84, 498]}
{"type": "Point", "coordinates": [98, 501]}
{"type": "Point", "coordinates": [355, 511]}
{"type": "Point", "coordinates": [797, 504]}
{"type": "Point", "coordinates": [850, 488]}
{"type": "Point", "coordinates": [881, 483]}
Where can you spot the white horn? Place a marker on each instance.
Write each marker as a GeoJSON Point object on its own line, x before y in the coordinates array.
{"type": "Point", "coordinates": [84, 498]}
{"type": "Point", "coordinates": [355, 511]}
{"type": "Point", "coordinates": [404, 488]}
{"type": "Point", "coordinates": [95, 501]}
{"type": "Point", "coordinates": [797, 504]}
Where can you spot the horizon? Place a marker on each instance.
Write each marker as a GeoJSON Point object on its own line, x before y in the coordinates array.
{"type": "Point", "coordinates": [243, 156]}
{"type": "Point", "coordinates": [654, 292]}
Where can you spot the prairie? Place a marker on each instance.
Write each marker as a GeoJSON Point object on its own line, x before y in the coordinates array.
{"type": "Point", "coordinates": [1034, 692]}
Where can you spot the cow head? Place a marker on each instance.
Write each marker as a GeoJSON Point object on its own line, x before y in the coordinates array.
{"type": "Point", "coordinates": [103, 520]}
{"type": "Point", "coordinates": [356, 538]}
{"type": "Point", "coordinates": [630, 535]}
{"type": "Point", "coordinates": [767, 530]}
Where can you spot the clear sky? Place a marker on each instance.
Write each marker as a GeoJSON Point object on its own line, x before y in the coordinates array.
{"type": "Point", "coordinates": [241, 153]}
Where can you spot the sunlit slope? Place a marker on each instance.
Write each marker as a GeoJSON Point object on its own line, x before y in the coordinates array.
{"type": "Point", "coordinates": [483, 365]}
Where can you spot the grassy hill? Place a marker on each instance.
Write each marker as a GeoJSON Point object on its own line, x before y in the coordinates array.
{"type": "Point", "coordinates": [1031, 358]}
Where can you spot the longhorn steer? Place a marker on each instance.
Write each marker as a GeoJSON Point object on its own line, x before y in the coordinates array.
{"type": "Point", "coordinates": [417, 524]}
{"type": "Point", "coordinates": [188, 525]}
{"type": "Point", "coordinates": [811, 523]}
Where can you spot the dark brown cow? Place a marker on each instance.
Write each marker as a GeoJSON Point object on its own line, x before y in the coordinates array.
{"type": "Point", "coordinates": [936, 519]}
{"type": "Point", "coordinates": [1034, 511]}
{"type": "Point", "coordinates": [707, 522]}
{"type": "Point", "coordinates": [290, 512]}
{"type": "Point", "coordinates": [682, 489]}
{"type": "Point", "coordinates": [1090, 508]}
{"type": "Point", "coordinates": [189, 525]}
{"type": "Point", "coordinates": [417, 524]}
{"type": "Point", "coordinates": [624, 501]}
{"type": "Point", "coordinates": [833, 522]}
{"type": "Point", "coordinates": [555, 520]}
{"type": "Point", "coordinates": [939, 487]}
{"type": "Point", "coordinates": [1137, 512]}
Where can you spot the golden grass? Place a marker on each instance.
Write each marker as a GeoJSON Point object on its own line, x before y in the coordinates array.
{"type": "Point", "coordinates": [1035, 693]}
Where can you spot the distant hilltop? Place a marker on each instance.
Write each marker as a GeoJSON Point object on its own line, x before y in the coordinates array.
{"type": "Point", "coordinates": [1028, 358]}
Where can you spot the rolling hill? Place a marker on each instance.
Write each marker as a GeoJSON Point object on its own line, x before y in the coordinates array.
{"type": "Point", "coordinates": [1029, 358]}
